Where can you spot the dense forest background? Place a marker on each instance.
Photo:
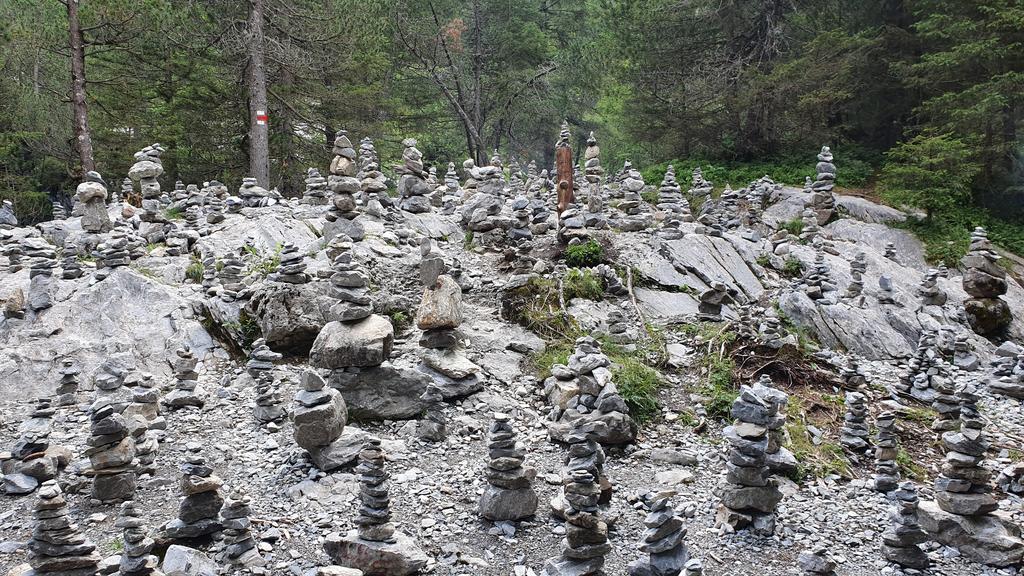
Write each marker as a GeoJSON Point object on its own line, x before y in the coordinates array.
{"type": "Point", "coordinates": [921, 100]}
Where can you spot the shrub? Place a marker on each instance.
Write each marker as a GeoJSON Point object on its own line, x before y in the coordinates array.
{"type": "Point", "coordinates": [638, 385]}
{"type": "Point", "coordinates": [584, 255]}
{"type": "Point", "coordinates": [794, 226]}
{"type": "Point", "coordinates": [792, 268]}
{"type": "Point", "coordinates": [650, 196]}
{"type": "Point", "coordinates": [930, 172]}
{"type": "Point", "coordinates": [195, 270]}
{"type": "Point", "coordinates": [582, 283]}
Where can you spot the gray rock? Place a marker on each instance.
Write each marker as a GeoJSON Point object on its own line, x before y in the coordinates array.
{"type": "Point", "coordinates": [400, 558]}
{"type": "Point", "coordinates": [991, 539]}
{"type": "Point", "coordinates": [184, 561]}
{"type": "Point", "coordinates": [382, 392]}
{"type": "Point", "coordinates": [364, 343]}
{"type": "Point", "coordinates": [290, 316]}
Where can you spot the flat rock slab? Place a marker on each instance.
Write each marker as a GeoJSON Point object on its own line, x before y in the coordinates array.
{"type": "Point", "coordinates": [382, 392]}
{"type": "Point", "coordinates": [990, 538]}
{"type": "Point", "coordinates": [401, 558]}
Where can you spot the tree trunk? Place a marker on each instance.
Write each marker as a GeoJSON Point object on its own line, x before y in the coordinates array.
{"type": "Point", "coordinates": [259, 144]}
{"type": "Point", "coordinates": [80, 128]}
{"type": "Point", "coordinates": [478, 56]}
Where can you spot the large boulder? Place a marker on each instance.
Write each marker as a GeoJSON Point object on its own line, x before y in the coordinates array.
{"type": "Point", "coordinates": [991, 539]}
{"type": "Point", "coordinates": [399, 558]}
{"type": "Point", "coordinates": [382, 392]}
{"type": "Point", "coordinates": [342, 345]}
{"type": "Point", "coordinates": [441, 306]}
{"type": "Point", "coordinates": [988, 316]}
{"type": "Point", "coordinates": [290, 316]}
{"type": "Point", "coordinates": [318, 426]}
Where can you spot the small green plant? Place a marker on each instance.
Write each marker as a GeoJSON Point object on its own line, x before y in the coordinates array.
{"type": "Point", "coordinates": [535, 305]}
{"type": "Point", "coordinates": [400, 320]}
{"type": "Point", "coordinates": [817, 460]}
{"type": "Point", "coordinates": [719, 388]}
{"type": "Point", "coordinates": [117, 546]}
{"type": "Point", "coordinates": [650, 196]}
{"type": "Point", "coordinates": [764, 260]}
{"type": "Point", "coordinates": [467, 240]}
{"type": "Point", "coordinates": [638, 385]}
{"type": "Point", "coordinates": [264, 265]}
{"type": "Point", "coordinates": [582, 284]}
{"type": "Point", "coordinates": [794, 226]}
{"type": "Point", "coordinates": [147, 272]}
{"type": "Point", "coordinates": [194, 271]}
{"type": "Point", "coordinates": [909, 467]}
{"type": "Point", "coordinates": [792, 268]}
{"type": "Point", "coordinates": [174, 213]}
{"type": "Point", "coordinates": [555, 353]}
{"type": "Point", "coordinates": [248, 330]}
{"type": "Point", "coordinates": [920, 415]}
{"type": "Point", "coordinates": [585, 255]}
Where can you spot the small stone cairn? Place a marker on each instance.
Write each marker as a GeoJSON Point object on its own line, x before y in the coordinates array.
{"type": "Point", "coordinates": [112, 254]}
{"type": "Point", "coordinates": [268, 400]}
{"type": "Point", "coordinates": [673, 204]}
{"type": "Point", "coordinates": [822, 200]}
{"type": "Point", "coordinates": [900, 541]}
{"type": "Point", "coordinates": [858, 266]}
{"type": "Point", "coordinates": [292, 269]}
{"type": "Point", "coordinates": [923, 366]}
{"type": "Point", "coordinates": [946, 404]}
{"type": "Point", "coordinates": [452, 195]}
{"type": "Point", "coordinates": [750, 495]}
{"type": "Point", "coordinates": [810, 228]}
{"type": "Point", "coordinates": [699, 186]}
{"type": "Point", "coordinates": [58, 211]}
{"type": "Point", "coordinates": [586, 535]}
{"type": "Point", "coordinates": [186, 381]}
{"type": "Point", "coordinates": [136, 558]}
{"type": "Point", "coordinates": [929, 291]}
{"type": "Point", "coordinates": [349, 285]}
{"type": "Point", "coordinates": [854, 434]}
{"type": "Point", "coordinates": [662, 541]}
{"type": "Point", "coordinates": [92, 195]}
{"type": "Point", "coordinates": [197, 513]}
{"type": "Point", "coordinates": [111, 453]}
{"type": "Point", "coordinates": [984, 281]}
{"type": "Point", "coordinates": [508, 495]}
{"type": "Point", "coordinates": [71, 267]}
{"type": "Point", "coordinates": [890, 251]}
{"type": "Point", "coordinates": [56, 546]}
{"type": "Point", "coordinates": [43, 261]}
{"type": "Point", "coordinates": [632, 205]}
{"type": "Point", "coordinates": [215, 206]}
{"type": "Point", "coordinates": [887, 473]}
{"type": "Point", "coordinates": [342, 180]}
{"type": "Point", "coordinates": [145, 171]}
{"type": "Point", "coordinates": [710, 301]}
{"type": "Point", "coordinates": [318, 417]}
{"type": "Point", "coordinates": [962, 487]}
{"type": "Point", "coordinates": [412, 180]}
{"type": "Point", "coordinates": [316, 188]}
{"type": "Point", "coordinates": [239, 544]}
{"type": "Point", "coordinates": [261, 359]}
{"type": "Point", "coordinates": [67, 389]}
{"type": "Point", "coordinates": [231, 275]}
{"type": "Point", "coordinates": [440, 311]}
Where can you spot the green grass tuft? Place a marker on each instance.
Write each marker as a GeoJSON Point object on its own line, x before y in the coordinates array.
{"type": "Point", "coordinates": [582, 283]}
{"type": "Point", "coordinates": [638, 385]}
{"type": "Point", "coordinates": [584, 255]}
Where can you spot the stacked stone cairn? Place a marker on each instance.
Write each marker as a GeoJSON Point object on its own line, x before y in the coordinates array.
{"type": "Point", "coordinates": [373, 182]}
{"type": "Point", "coordinates": [662, 541]}
{"type": "Point", "coordinates": [675, 206]}
{"type": "Point", "coordinates": [32, 457]}
{"type": "Point", "coordinates": [209, 262]}
{"type": "Point", "coordinates": [810, 228]}
{"type": "Point", "coordinates": [962, 487]}
{"type": "Point", "coordinates": [127, 191]}
{"type": "Point", "coordinates": [929, 290]}
{"type": "Point", "coordinates": [946, 404]}
{"type": "Point", "coordinates": [520, 231]}
{"type": "Point", "coordinates": [349, 285]}
{"type": "Point", "coordinates": [923, 366]}
{"type": "Point", "coordinates": [887, 473]}
{"type": "Point", "coordinates": [231, 276]}
{"type": "Point", "coordinates": [854, 434]}
{"type": "Point", "coordinates": [508, 495]}
{"type": "Point", "coordinates": [817, 562]}
{"type": "Point", "coordinates": [292, 269]}
{"type": "Point", "coordinates": [56, 546]}
{"type": "Point", "coordinates": [112, 254]}
{"type": "Point", "coordinates": [261, 359]}
{"type": "Point", "coordinates": [984, 281]}
{"type": "Point", "coordinates": [136, 558]}
{"type": "Point", "coordinates": [586, 535]}
{"type": "Point", "coordinates": [1010, 384]}
{"type": "Point", "coordinates": [452, 194]}
{"type": "Point", "coordinates": [92, 195]}
{"type": "Point", "coordinates": [239, 544]}
{"type": "Point", "coordinates": [67, 389]}
{"type": "Point", "coordinates": [43, 259]}
{"type": "Point", "coordinates": [186, 380]}
{"type": "Point", "coordinates": [821, 199]}
{"type": "Point", "coordinates": [145, 171]}
{"type": "Point", "coordinates": [58, 211]}
{"type": "Point", "coordinates": [593, 171]}
{"type": "Point", "coordinates": [71, 267]}
{"type": "Point", "coordinates": [433, 427]}
{"type": "Point", "coordinates": [215, 204]}
{"type": "Point", "coordinates": [779, 459]}
{"type": "Point", "coordinates": [858, 266]}
{"type": "Point", "coordinates": [699, 187]}
{"type": "Point", "coordinates": [111, 453]}
{"type": "Point", "coordinates": [180, 194]}
{"type": "Point", "coordinates": [318, 417]}
{"type": "Point", "coordinates": [853, 378]}
{"type": "Point", "coordinates": [964, 357]}
{"type": "Point", "coordinates": [890, 251]}
{"type": "Point", "coordinates": [901, 540]}
{"type": "Point", "coordinates": [750, 495]}
{"type": "Point", "coordinates": [252, 195]}
{"type": "Point", "coordinates": [13, 250]}
{"type": "Point", "coordinates": [342, 180]}
{"type": "Point", "coordinates": [412, 180]}
{"type": "Point", "coordinates": [197, 513]}
{"type": "Point", "coordinates": [636, 217]}
{"type": "Point", "coordinates": [268, 400]}
{"type": "Point", "coordinates": [316, 188]}
{"type": "Point", "coordinates": [885, 293]}
{"type": "Point", "coordinates": [618, 328]}
{"type": "Point", "coordinates": [710, 301]}
{"type": "Point", "coordinates": [440, 311]}
{"type": "Point", "coordinates": [376, 547]}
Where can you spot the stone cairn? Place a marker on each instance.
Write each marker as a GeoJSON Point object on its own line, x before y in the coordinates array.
{"type": "Point", "coordinates": [750, 495]}
{"type": "Point", "coordinates": [13, 250]}
{"type": "Point", "coordinates": [33, 463]}
{"type": "Point", "coordinates": [231, 275]}
{"type": "Point", "coordinates": [663, 541]}
{"type": "Point", "coordinates": [946, 404]}
{"type": "Point", "coordinates": [215, 204]}
{"type": "Point", "coordinates": [239, 544]}
{"type": "Point", "coordinates": [964, 357]}
{"type": "Point", "coordinates": [145, 171]}
{"type": "Point", "coordinates": [136, 558]}
{"type": "Point", "coordinates": [349, 285]}
{"type": "Point", "coordinates": [111, 453]}
{"type": "Point", "coordinates": [67, 389]}
{"type": "Point", "coordinates": [268, 400]}
{"type": "Point", "coordinates": [373, 182]}
{"type": "Point", "coordinates": [779, 459]}
{"type": "Point", "coordinates": [810, 229]}
{"type": "Point", "coordinates": [127, 191]}
{"type": "Point", "coordinates": [209, 262]}
{"type": "Point", "coordinates": [316, 188]}
{"type": "Point", "coordinates": [71, 267]}
{"type": "Point", "coordinates": [261, 359]}
{"type": "Point", "coordinates": [342, 180]}
{"type": "Point", "coordinates": [984, 281]}
{"type": "Point", "coordinates": [1011, 382]}
{"type": "Point", "coordinates": [673, 204]}
{"type": "Point", "coordinates": [452, 194]}
{"type": "Point", "coordinates": [252, 195]}
{"type": "Point", "coordinates": [710, 301]}
{"type": "Point", "coordinates": [43, 260]}
{"type": "Point", "coordinates": [440, 311]}
{"type": "Point", "coordinates": [885, 294]}
{"type": "Point", "coordinates": [699, 186]}
{"type": "Point", "coordinates": [632, 204]}
{"type": "Point", "coordinates": [962, 487]}
{"type": "Point", "coordinates": [817, 562]}
{"type": "Point", "coordinates": [900, 541]}
{"type": "Point", "coordinates": [112, 254]}
{"type": "Point", "coordinates": [318, 417]}
{"type": "Point", "coordinates": [586, 535]}
{"type": "Point", "coordinates": [292, 269]}
{"type": "Point", "coordinates": [853, 378]}
{"type": "Point", "coordinates": [858, 266]}
{"type": "Point", "coordinates": [854, 434]}
{"type": "Point", "coordinates": [92, 194]}
{"type": "Point", "coordinates": [821, 199]}
{"type": "Point", "coordinates": [593, 171]}
{"type": "Point", "coordinates": [145, 423]}
{"type": "Point", "coordinates": [929, 291]}
{"type": "Point", "coordinates": [186, 380]}
{"type": "Point", "coordinates": [890, 251]}
{"type": "Point", "coordinates": [56, 546]}
{"type": "Point", "coordinates": [376, 547]}
{"type": "Point", "coordinates": [197, 513]}
{"type": "Point", "coordinates": [58, 211]}
{"type": "Point", "coordinates": [412, 180]}
{"type": "Point", "coordinates": [8, 219]}
{"type": "Point", "coordinates": [508, 496]}
{"type": "Point", "coordinates": [585, 453]}
{"type": "Point", "coordinates": [887, 473]}
{"type": "Point", "coordinates": [922, 368]}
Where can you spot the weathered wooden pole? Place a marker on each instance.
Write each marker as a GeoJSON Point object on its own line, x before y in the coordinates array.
{"type": "Point", "coordinates": [563, 167]}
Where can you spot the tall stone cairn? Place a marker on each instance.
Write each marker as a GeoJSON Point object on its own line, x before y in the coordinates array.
{"type": "Point", "coordinates": [822, 200]}
{"type": "Point", "coordinates": [231, 274]}
{"type": "Point", "coordinates": [349, 284]}
{"type": "Point", "coordinates": [413, 188]}
{"type": "Point", "coordinates": [593, 171]}
{"type": "Point", "coordinates": [186, 380]}
{"type": "Point", "coordinates": [197, 513]}
{"type": "Point", "coordinates": [92, 194]}
{"type": "Point", "coordinates": [374, 520]}
{"type": "Point", "coordinates": [316, 188]}
{"type": "Point", "coordinates": [985, 281]}
{"type": "Point", "coordinates": [136, 558]}
{"type": "Point", "coordinates": [750, 495]}
{"type": "Point", "coordinates": [946, 405]}
{"type": "Point", "coordinates": [145, 171]}
{"type": "Point", "coordinates": [67, 389]}
{"type": "Point", "coordinates": [662, 541]}
{"type": "Point", "coordinates": [508, 495]}
{"type": "Point", "coordinates": [440, 311]}
{"type": "Point", "coordinates": [111, 453]}
{"type": "Point", "coordinates": [900, 541]}
{"type": "Point", "coordinates": [854, 434]}
{"type": "Point", "coordinates": [887, 473]}
{"type": "Point", "coordinates": [238, 540]}
{"type": "Point", "coordinates": [319, 415]}
{"type": "Point", "coordinates": [342, 181]}
{"type": "Point", "coordinates": [699, 186]}
{"type": "Point", "coordinates": [56, 546]}
{"type": "Point", "coordinates": [112, 254]}
{"type": "Point", "coordinates": [586, 535]}
{"type": "Point", "coordinates": [858, 266]}
{"type": "Point", "coordinates": [963, 486]}
{"type": "Point", "coordinates": [261, 359]}
{"type": "Point", "coordinates": [292, 269]}
{"type": "Point", "coordinates": [268, 400]}
{"type": "Point", "coordinates": [71, 267]}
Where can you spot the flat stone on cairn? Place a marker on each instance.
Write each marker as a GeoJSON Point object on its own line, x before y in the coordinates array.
{"type": "Point", "coordinates": [186, 380]}
{"type": "Point", "coordinates": [508, 496]}
{"type": "Point", "coordinates": [376, 547]}
{"type": "Point", "coordinates": [854, 434]}
{"type": "Point", "coordinates": [111, 453]}
{"type": "Point", "coordinates": [318, 417]}
{"type": "Point", "coordinates": [136, 558]}
{"type": "Point", "coordinates": [662, 541]}
{"type": "Point", "coordinates": [197, 513]}
{"type": "Point", "coordinates": [817, 562]}
{"type": "Point", "coordinates": [586, 535]}
{"type": "Point", "coordinates": [900, 541]}
{"type": "Point", "coordinates": [887, 473]}
{"type": "Point", "coordinates": [261, 359]}
{"type": "Point", "coordinates": [292, 269]}
{"type": "Point", "coordinates": [56, 546]}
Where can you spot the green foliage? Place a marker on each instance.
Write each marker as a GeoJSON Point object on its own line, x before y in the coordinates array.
{"type": "Point", "coordinates": [582, 283]}
{"type": "Point", "coordinates": [401, 320]}
{"type": "Point", "coordinates": [794, 226]}
{"type": "Point", "coordinates": [263, 265]}
{"type": "Point", "coordinates": [536, 306]}
{"type": "Point", "coordinates": [638, 385]}
{"type": "Point", "coordinates": [174, 213]}
{"type": "Point", "coordinates": [719, 387]}
{"type": "Point", "coordinates": [763, 260]}
{"type": "Point", "coordinates": [248, 330]}
{"type": "Point", "coordinates": [194, 271]}
{"type": "Point", "coordinates": [650, 196]}
{"type": "Point", "coordinates": [555, 353]}
{"type": "Point", "coordinates": [584, 255]}
{"type": "Point", "coordinates": [910, 468]}
{"type": "Point", "coordinates": [791, 170]}
{"type": "Point", "coordinates": [467, 240]}
{"type": "Point", "coordinates": [792, 267]}
{"type": "Point", "coordinates": [932, 173]}
{"type": "Point", "coordinates": [815, 460]}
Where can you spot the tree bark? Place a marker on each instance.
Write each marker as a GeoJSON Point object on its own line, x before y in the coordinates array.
{"type": "Point", "coordinates": [80, 127]}
{"type": "Point", "coordinates": [259, 141]}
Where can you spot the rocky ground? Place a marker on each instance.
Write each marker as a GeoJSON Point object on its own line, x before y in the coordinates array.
{"type": "Point", "coordinates": [141, 314]}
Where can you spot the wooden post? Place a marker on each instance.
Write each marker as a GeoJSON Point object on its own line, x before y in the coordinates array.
{"type": "Point", "coordinates": [563, 167]}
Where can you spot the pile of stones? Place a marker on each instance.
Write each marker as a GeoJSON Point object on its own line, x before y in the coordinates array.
{"type": "Point", "coordinates": [268, 400]}
{"type": "Point", "coordinates": [292, 269]}
{"type": "Point", "coordinates": [344, 184]}
{"type": "Point", "coordinates": [923, 366]}
{"type": "Point", "coordinates": [197, 513]}
{"type": "Point", "coordinates": [817, 562]}
{"type": "Point", "coordinates": [508, 495]}
{"type": "Point", "coordinates": [946, 404]}
{"type": "Point", "coordinates": [440, 311]}
{"type": "Point", "coordinates": [858, 266]}
{"type": "Point", "coordinates": [92, 196]}
{"type": "Point", "coordinates": [252, 195]}
{"type": "Point", "coordinates": [822, 199]}
{"type": "Point", "coordinates": [71, 266]}
{"type": "Point", "coordinates": [929, 291]}
{"type": "Point", "coordinates": [318, 417]}
{"type": "Point", "coordinates": [984, 281]}
{"type": "Point", "coordinates": [136, 558]}
{"type": "Point", "coordinates": [145, 171]}
{"type": "Point", "coordinates": [890, 251]}
{"type": "Point", "coordinates": [586, 535]}
{"type": "Point", "coordinates": [67, 388]}
{"type": "Point", "coordinates": [239, 544]}
{"type": "Point", "coordinates": [699, 186]}
{"type": "Point", "coordinates": [316, 188]}
{"type": "Point", "coordinates": [711, 300]}
{"type": "Point", "coordinates": [854, 434]}
{"type": "Point", "coordinates": [43, 260]}
{"type": "Point", "coordinates": [672, 202]}
{"type": "Point", "coordinates": [632, 205]}
{"type": "Point", "coordinates": [231, 275]}
{"type": "Point", "coordinates": [592, 164]}
{"type": "Point", "coordinates": [111, 453]}
{"type": "Point", "coordinates": [901, 540]}
{"type": "Point", "coordinates": [349, 285]}
{"type": "Point", "coordinates": [963, 357]}
{"type": "Point", "coordinates": [412, 180]}
{"type": "Point", "coordinates": [887, 473]}
{"type": "Point", "coordinates": [750, 494]}
{"type": "Point", "coordinates": [34, 462]}
{"type": "Point", "coordinates": [663, 542]}
{"type": "Point", "coordinates": [186, 380]}
{"type": "Point", "coordinates": [56, 546]}
{"type": "Point", "coordinates": [261, 359]}
{"type": "Point", "coordinates": [58, 211]}
{"type": "Point", "coordinates": [112, 254]}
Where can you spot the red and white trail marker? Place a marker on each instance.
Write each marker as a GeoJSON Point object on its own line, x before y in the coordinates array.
{"type": "Point", "coordinates": [262, 118]}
